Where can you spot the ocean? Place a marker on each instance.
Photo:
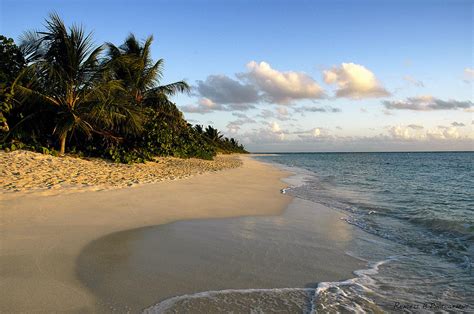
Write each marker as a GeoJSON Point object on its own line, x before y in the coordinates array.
{"type": "Point", "coordinates": [416, 211]}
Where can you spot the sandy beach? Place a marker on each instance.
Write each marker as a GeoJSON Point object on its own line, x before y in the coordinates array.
{"type": "Point", "coordinates": [25, 171]}
{"type": "Point", "coordinates": [236, 156]}
{"type": "Point", "coordinates": [45, 238]}
{"type": "Point", "coordinates": [43, 235]}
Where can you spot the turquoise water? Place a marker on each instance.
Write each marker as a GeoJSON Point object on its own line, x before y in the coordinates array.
{"type": "Point", "coordinates": [417, 214]}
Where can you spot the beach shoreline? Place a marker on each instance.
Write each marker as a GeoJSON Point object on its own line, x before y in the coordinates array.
{"type": "Point", "coordinates": [43, 235]}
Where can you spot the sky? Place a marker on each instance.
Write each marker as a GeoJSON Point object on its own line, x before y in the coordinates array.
{"type": "Point", "coordinates": [299, 75]}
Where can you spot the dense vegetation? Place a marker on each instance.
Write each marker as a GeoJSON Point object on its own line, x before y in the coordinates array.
{"type": "Point", "coordinates": [60, 93]}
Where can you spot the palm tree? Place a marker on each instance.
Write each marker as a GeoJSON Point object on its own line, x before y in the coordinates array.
{"type": "Point", "coordinates": [131, 63]}
{"type": "Point", "coordinates": [213, 134]}
{"type": "Point", "coordinates": [65, 74]}
{"type": "Point", "coordinates": [199, 128]}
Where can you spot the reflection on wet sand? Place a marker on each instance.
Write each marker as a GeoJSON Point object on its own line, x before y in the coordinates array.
{"type": "Point", "coordinates": [134, 269]}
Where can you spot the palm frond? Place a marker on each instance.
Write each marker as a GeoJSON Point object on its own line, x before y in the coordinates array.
{"type": "Point", "coordinates": [151, 76]}
{"type": "Point", "coordinates": [173, 88]}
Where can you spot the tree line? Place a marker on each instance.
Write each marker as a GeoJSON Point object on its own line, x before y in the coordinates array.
{"type": "Point", "coordinates": [60, 93]}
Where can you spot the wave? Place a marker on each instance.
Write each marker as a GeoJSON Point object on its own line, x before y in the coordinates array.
{"type": "Point", "coordinates": [255, 300]}
{"type": "Point", "coordinates": [443, 225]}
{"type": "Point", "coordinates": [447, 238]}
{"type": "Point", "coordinates": [327, 296]}
{"type": "Point", "coordinates": [423, 214]}
{"type": "Point", "coordinates": [350, 295]}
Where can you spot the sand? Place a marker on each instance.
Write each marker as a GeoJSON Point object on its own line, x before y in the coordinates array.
{"type": "Point", "coordinates": [44, 238]}
{"type": "Point", "coordinates": [235, 258]}
{"type": "Point", "coordinates": [25, 171]}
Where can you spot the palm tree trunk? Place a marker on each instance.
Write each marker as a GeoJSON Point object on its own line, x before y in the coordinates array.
{"type": "Point", "coordinates": [62, 141]}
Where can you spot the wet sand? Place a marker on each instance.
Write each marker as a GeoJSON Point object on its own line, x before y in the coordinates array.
{"type": "Point", "coordinates": [235, 264]}
{"type": "Point", "coordinates": [43, 236]}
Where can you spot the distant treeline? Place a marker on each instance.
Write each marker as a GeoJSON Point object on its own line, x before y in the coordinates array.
{"type": "Point", "coordinates": [60, 93]}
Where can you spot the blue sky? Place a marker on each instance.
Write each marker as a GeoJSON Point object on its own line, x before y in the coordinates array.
{"type": "Point", "coordinates": [390, 75]}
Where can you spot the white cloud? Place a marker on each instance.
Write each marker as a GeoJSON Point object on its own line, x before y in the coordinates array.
{"type": "Point", "coordinates": [207, 103]}
{"type": "Point", "coordinates": [275, 127]}
{"type": "Point", "coordinates": [396, 138]}
{"type": "Point", "coordinates": [468, 74]}
{"type": "Point", "coordinates": [415, 132]}
{"type": "Point", "coordinates": [316, 132]}
{"type": "Point", "coordinates": [204, 105]}
{"type": "Point", "coordinates": [239, 115]}
{"type": "Point", "coordinates": [413, 81]}
{"type": "Point", "coordinates": [234, 126]}
{"type": "Point", "coordinates": [282, 111]}
{"type": "Point", "coordinates": [271, 133]}
{"type": "Point", "coordinates": [444, 133]}
{"type": "Point", "coordinates": [427, 103]}
{"type": "Point", "coordinates": [405, 133]}
{"type": "Point", "coordinates": [281, 87]}
{"type": "Point", "coordinates": [304, 109]}
{"type": "Point", "coordinates": [354, 81]}
{"type": "Point", "coordinates": [265, 113]}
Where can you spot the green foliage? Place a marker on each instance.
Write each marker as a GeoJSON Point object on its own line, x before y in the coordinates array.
{"type": "Point", "coordinates": [178, 140]}
{"type": "Point", "coordinates": [11, 60]}
{"type": "Point", "coordinates": [11, 64]}
{"type": "Point", "coordinates": [58, 89]}
{"type": "Point", "coordinates": [161, 137]}
{"type": "Point", "coordinates": [223, 144]}
{"type": "Point", "coordinates": [65, 75]}
{"type": "Point", "coordinates": [37, 147]}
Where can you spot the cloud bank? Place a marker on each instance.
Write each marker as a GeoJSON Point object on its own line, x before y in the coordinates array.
{"type": "Point", "coordinates": [395, 138]}
{"type": "Point", "coordinates": [408, 133]}
{"type": "Point", "coordinates": [426, 103]}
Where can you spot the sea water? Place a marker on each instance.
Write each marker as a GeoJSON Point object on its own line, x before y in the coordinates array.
{"type": "Point", "coordinates": [415, 213]}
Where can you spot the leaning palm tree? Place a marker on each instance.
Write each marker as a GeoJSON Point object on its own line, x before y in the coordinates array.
{"type": "Point", "coordinates": [131, 63]}
{"type": "Point", "coordinates": [65, 75]}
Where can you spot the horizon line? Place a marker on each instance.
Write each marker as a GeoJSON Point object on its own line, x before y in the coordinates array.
{"type": "Point", "coordinates": [365, 152]}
